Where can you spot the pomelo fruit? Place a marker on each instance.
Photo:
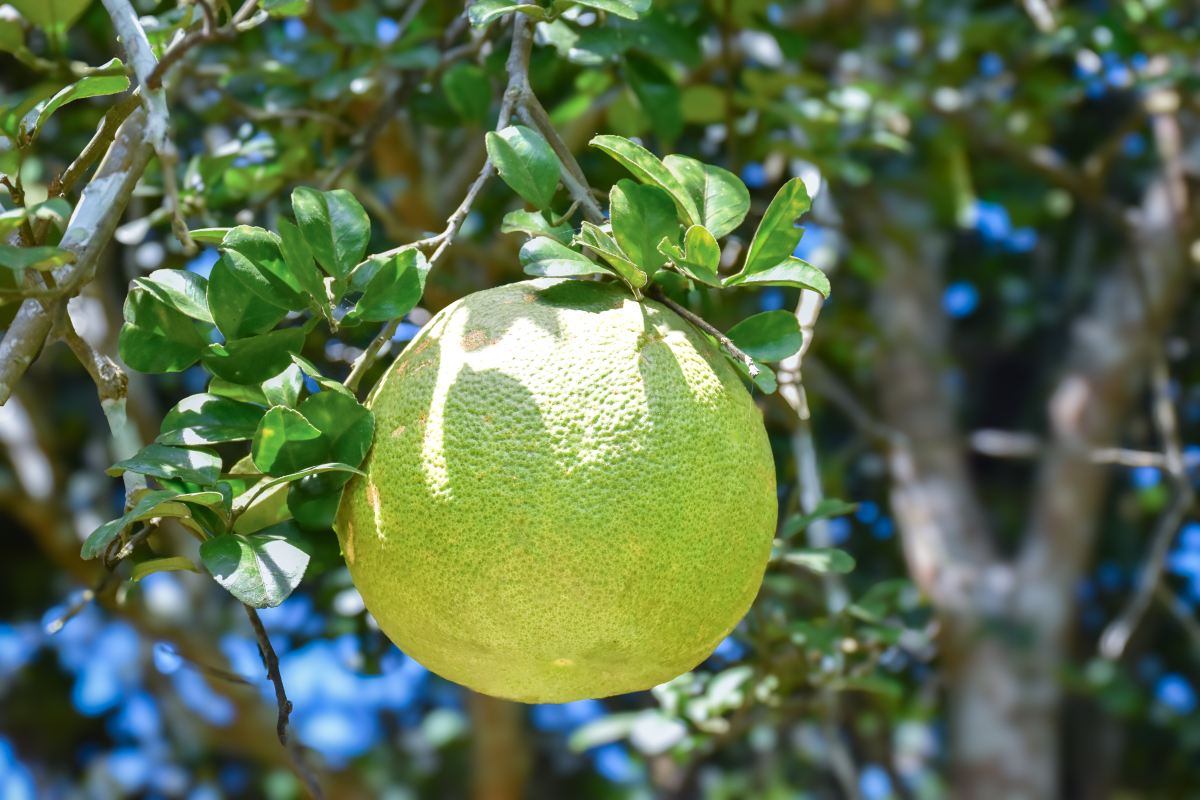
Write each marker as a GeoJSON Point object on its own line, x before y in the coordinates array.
{"type": "Point", "coordinates": [570, 495]}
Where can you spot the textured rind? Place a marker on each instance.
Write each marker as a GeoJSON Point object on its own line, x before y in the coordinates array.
{"type": "Point", "coordinates": [570, 495]}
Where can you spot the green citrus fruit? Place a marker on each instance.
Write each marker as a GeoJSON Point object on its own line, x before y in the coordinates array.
{"type": "Point", "coordinates": [570, 495]}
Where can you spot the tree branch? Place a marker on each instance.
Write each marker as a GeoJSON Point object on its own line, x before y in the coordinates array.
{"type": "Point", "coordinates": [271, 662]}
{"type": "Point", "coordinates": [654, 293]}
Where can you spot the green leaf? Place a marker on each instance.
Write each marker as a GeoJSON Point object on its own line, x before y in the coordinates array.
{"type": "Point", "coordinates": [483, 12]}
{"type": "Point", "coordinates": [255, 359]}
{"type": "Point", "coordinates": [821, 561]}
{"type": "Point", "coordinates": [526, 162]}
{"type": "Point", "coordinates": [254, 257]}
{"type": "Point", "coordinates": [335, 226]}
{"type": "Point", "coordinates": [208, 419]}
{"type": "Point", "coordinates": [56, 209]}
{"type": "Point", "coordinates": [468, 92]}
{"type": "Point", "coordinates": [660, 98]}
{"type": "Point", "coordinates": [172, 564]}
{"type": "Point", "coordinates": [598, 240]}
{"type": "Point", "coordinates": [51, 13]}
{"type": "Point", "coordinates": [39, 258]}
{"type": "Point", "coordinates": [299, 259]}
{"type": "Point", "coordinates": [549, 258]}
{"type": "Point", "coordinates": [89, 86]}
{"type": "Point", "coordinates": [828, 507]}
{"type": "Point", "coordinates": [393, 290]}
{"type": "Point", "coordinates": [535, 224]}
{"type": "Point", "coordinates": [642, 216]}
{"type": "Point", "coordinates": [11, 220]}
{"type": "Point", "coordinates": [209, 235]}
{"type": "Point", "coordinates": [156, 336]}
{"type": "Point", "coordinates": [769, 336]}
{"type": "Point", "coordinates": [259, 570]}
{"type": "Point", "coordinates": [348, 424]}
{"type": "Point", "coordinates": [202, 467]}
{"type": "Point", "coordinates": [237, 311]}
{"type": "Point", "coordinates": [310, 369]}
{"type": "Point", "coordinates": [185, 291]}
{"type": "Point", "coordinates": [629, 9]}
{"type": "Point", "coordinates": [720, 196]}
{"type": "Point", "coordinates": [700, 257]}
{"type": "Point", "coordinates": [236, 391]}
{"type": "Point", "coordinates": [777, 234]}
{"type": "Point", "coordinates": [100, 538]}
{"type": "Point", "coordinates": [287, 442]}
{"type": "Point", "coordinates": [792, 272]}
{"type": "Point", "coordinates": [646, 167]}
{"type": "Point", "coordinates": [284, 388]}
{"type": "Point", "coordinates": [309, 472]}
{"type": "Point", "coordinates": [764, 381]}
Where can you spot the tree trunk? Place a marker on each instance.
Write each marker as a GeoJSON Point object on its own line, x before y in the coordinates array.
{"type": "Point", "coordinates": [499, 748]}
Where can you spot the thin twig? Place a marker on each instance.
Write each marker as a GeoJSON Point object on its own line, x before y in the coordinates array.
{"type": "Point", "coordinates": [206, 33]}
{"type": "Point", "coordinates": [724, 340]}
{"type": "Point", "coordinates": [1116, 635]}
{"type": "Point", "coordinates": [1181, 611]}
{"type": "Point", "coordinates": [271, 662]}
{"type": "Point", "coordinates": [296, 757]}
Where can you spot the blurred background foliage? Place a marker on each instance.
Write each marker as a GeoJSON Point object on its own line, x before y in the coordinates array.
{"type": "Point", "coordinates": [1000, 143]}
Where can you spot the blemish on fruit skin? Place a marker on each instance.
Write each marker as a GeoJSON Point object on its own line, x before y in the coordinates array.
{"type": "Point", "coordinates": [349, 549]}
{"type": "Point", "coordinates": [563, 662]}
{"type": "Point", "coordinates": [531, 298]}
{"type": "Point", "coordinates": [399, 430]}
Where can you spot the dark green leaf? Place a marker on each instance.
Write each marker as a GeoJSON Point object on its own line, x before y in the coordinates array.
{"type": "Point", "coordinates": [209, 419]}
{"type": "Point", "coordinates": [259, 570]}
{"type": "Point", "coordinates": [828, 507]}
{"type": "Point", "coordinates": [255, 359]}
{"type": "Point", "coordinates": [483, 12]}
{"type": "Point", "coordinates": [468, 92]}
{"type": "Point", "coordinates": [287, 442]}
{"type": "Point", "coordinates": [719, 195]}
{"type": "Point", "coordinates": [335, 226]}
{"type": "Point", "coordinates": [313, 503]}
{"type": "Point", "coordinates": [549, 258]}
{"type": "Point", "coordinates": [629, 9]}
{"type": "Point", "coordinates": [51, 13]}
{"type": "Point", "coordinates": [39, 258]}
{"type": "Point", "coordinates": [102, 536]}
{"type": "Point", "coordinates": [394, 289]}
{"type": "Point", "coordinates": [535, 224]}
{"type": "Point", "coordinates": [284, 388]}
{"type": "Point", "coordinates": [308, 472]}
{"type": "Point", "coordinates": [310, 369]}
{"type": "Point", "coordinates": [699, 257]}
{"type": "Point", "coordinates": [658, 95]}
{"type": "Point", "coordinates": [792, 272]}
{"type": "Point", "coordinates": [186, 291]}
{"type": "Point", "coordinates": [236, 391]}
{"type": "Point", "coordinates": [299, 259]}
{"type": "Point", "coordinates": [769, 336]}
{"type": "Point", "coordinates": [90, 86]}
{"type": "Point", "coordinates": [265, 274]}
{"type": "Point", "coordinates": [821, 561]}
{"type": "Point", "coordinates": [526, 163]}
{"type": "Point", "coordinates": [642, 216]}
{"type": "Point", "coordinates": [170, 564]}
{"type": "Point", "coordinates": [601, 242]}
{"type": "Point", "coordinates": [348, 424]}
{"type": "Point", "coordinates": [201, 467]}
{"type": "Point", "coordinates": [777, 234]}
{"type": "Point", "coordinates": [646, 167]}
{"type": "Point", "coordinates": [238, 312]}
{"type": "Point", "coordinates": [764, 381]}
{"type": "Point", "coordinates": [157, 337]}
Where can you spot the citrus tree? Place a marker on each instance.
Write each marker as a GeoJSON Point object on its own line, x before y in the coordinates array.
{"type": "Point", "coordinates": [235, 218]}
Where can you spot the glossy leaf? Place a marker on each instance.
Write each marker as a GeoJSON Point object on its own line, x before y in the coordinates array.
{"type": "Point", "coordinates": [287, 442]}
{"type": "Point", "coordinates": [720, 196]}
{"type": "Point", "coordinates": [549, 258]}
{"type": "Point", "coordinates": [156, 336]}
{"type": "Point", "coordinates": [827, 508]}
{"type": "Point", "coordinates": [335, 226]}
{"type": "Point", "coordinates": [310, 369]}
{"type": "Point", "coordinates": [237, 391]}
{"type": "Point", "coordinates": [393, 290]}
{"type": "Point", "coordinates": [349, 425]}
{"type": "Point", "coordinates": [266, 275]}
{"type": "Point", "coordinates": [483, 12]}
{"type": "Point", "coordinates": [769, 336]}
{"type": "Point", "coordinates": [535, 224]}
{"type": "Point", "coordinates": [259, 570]}
{"type": "Point", "coordinates": [209, 235]}
{"type": "Point", "coordinates": [791, 272]}
{"type": "Point", "coordinates": [821, 561]}
{"type": "Point", "coordinates": [94, 85]}
{"type": "Point", "coordinates": [284, 388]}
{"type": "Point", "coordinates": [646, 167]}
{"type": "Point", "coordinates": [642, 216]}
{"type": "Point", "coordinates": [765, 381]}
{"type": "Point", "coordinates": [201, 467]}
{"type": "Point", "coordinates": [170, 564]}
{"type": "Point", "coordinates": [308, 472]}
{"type": "Point", "coordinates": [777, 234]}
{"type": "Point", "coordinates": [185, 291]}
{"type": "Point", "coordinates": [237, 311]}
{"type": "Point", "coordinates": [629, 9]}
{"type": "Point", "coordinates": [468, 91]}
{"type": "Point", "coordinates": [526, 162]}
{"type": "Point", "coordinates": [597, 239]}
{"type": "Point", "coordinates": [40, 258]}
{"type": "Point", "coordinates": [698, 258]}
{"type": "Point", "coordinates": [299, 259]}
{"type": "Point", "coordinates": [209, 419]}
{"type": "Point", "coordinates": [255, 359]}
{"type": "Point", "coordinates": [100, 538]}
